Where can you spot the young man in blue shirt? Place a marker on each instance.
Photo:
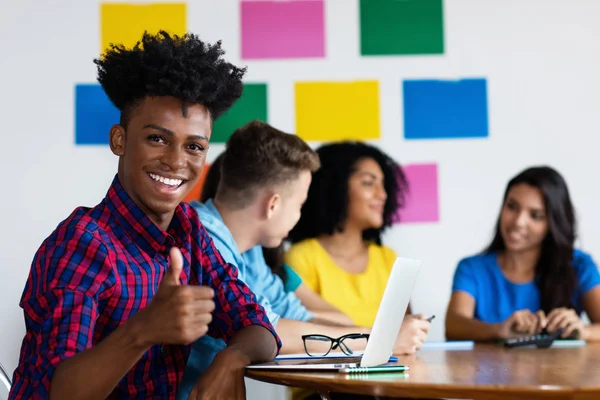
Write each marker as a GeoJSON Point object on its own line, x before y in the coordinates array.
{"type": "Point", "coordinates": [265, 179]}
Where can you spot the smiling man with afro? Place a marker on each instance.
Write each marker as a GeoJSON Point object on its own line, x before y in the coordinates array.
{"type": "Point", "coordinates": [117, 292]}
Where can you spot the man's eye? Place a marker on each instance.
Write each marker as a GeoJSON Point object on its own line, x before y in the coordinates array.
{"type": "Point", "coordinates": [196, 147]}
{"type": "Point", "coordinates": [156, 138]}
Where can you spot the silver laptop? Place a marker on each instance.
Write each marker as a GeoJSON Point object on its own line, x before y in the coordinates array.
{"type": "Point", "coordinates": [385, 329]}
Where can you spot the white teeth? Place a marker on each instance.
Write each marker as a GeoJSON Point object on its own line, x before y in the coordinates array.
{"type": "Point", "coordinates": [166, 181]}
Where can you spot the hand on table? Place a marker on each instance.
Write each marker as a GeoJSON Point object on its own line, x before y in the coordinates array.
{"type": "Point", "coordinates": [568, 319]}
{"type": "Point", "coordinates": [522, 323]}
{"type": "Point", "coordinates": [412, 335]}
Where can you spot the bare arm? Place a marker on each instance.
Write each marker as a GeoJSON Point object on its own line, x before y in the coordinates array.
{"type": "Point", "coordinates": [323, 311]}
{"type": "Point", "coordinates": [460, 321]}
{"type": "Point", "coordinates": [413, 333]}
{"type": "Point", "coordinates": [254, 343]}
{"type": "Point", "coordinates": [224, 379]}
{"type": "Point", "coordinates": [291, 331]}
{"type": "Point", "coordinates": [334, 318]}
{"type": "Point", "coordinates": [312, 300]}
{"type": "Point", "coordinates": [591, 305]}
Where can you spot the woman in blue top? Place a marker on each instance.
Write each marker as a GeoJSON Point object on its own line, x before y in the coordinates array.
{"type": "Point", "coordinates": [530, 277]}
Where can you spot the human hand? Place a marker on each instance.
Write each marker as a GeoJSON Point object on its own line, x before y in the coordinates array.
{"type": "Point", "coordinates": [522, 323]}
{"type": "Point", "coordinates": [568, 319]}
{"type": "Point", "coordinates": [178, 314]}
{"type": "Point", "coordinates": [412, 335]}
{"type": "Point", "coordinates": [224, 379]}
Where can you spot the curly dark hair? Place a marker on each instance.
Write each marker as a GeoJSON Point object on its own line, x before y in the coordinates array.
{"type": "Point", "coordinates": [554, 273]}
{"type": "Point", "coordinates": [325, 210]}
{"type": "Point", "coordinates": [183, 67]}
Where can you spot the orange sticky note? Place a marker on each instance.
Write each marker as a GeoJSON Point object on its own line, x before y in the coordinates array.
{"type": "Point", "coordinates": [333, 111]}
{"type": "Point", "coordinates": [125, 23]}
{"type": "Point", "coordinates": [195, 193]}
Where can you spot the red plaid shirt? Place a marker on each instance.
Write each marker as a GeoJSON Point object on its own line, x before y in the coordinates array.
{"type": "Point", "coordinates": [98, 268]}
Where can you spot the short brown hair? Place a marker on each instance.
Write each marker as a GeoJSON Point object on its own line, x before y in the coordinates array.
{"type": "Point", "coordinates": [258, 156]}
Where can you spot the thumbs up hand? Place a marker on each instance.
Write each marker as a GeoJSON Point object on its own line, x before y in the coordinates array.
{"type": "Point", "coordinates": [171, 277]}
{"type": "Point", "coordinates": [178, 314]}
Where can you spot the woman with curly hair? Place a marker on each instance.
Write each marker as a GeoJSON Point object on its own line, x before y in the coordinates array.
{"type": "Point", "coordinates": [337, 248]}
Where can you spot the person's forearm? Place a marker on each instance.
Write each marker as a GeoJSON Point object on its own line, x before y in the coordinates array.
{"type": "Point", "coordinates": [254, 343]}
{"type": "Point", "coordinates": [313, 301]}
{"type": "Point", "coordinates": [459, 327]}
{"type": "Point", "coordinates": [324, 312]}
{"type": "Point", "coordinates": [94, 373]}
{"type": "Point", "coordinates": [291, 332]}
{"type": "Point", "coordinates": [331, 318]}
{"type": "Point", "coordinates": [591, 332]}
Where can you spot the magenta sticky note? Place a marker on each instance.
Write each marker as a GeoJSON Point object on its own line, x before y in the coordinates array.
{"type": "Point", "coordinates": [422, 202]}
{"type": "Point", "coordinates": [283, 29]}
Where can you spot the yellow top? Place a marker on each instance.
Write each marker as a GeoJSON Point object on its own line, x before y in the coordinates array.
{"type": "Point", "coordinates": [357, 295]}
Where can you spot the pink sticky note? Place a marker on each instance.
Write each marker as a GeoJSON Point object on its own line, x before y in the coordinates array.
{"type": "Point", "coordinates": [422, 203]}
{"type": "Point", "coordinates": [283, 29]}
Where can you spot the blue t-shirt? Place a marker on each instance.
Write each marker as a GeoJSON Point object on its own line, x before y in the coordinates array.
{"type": "Point", "coordinates": [254, 271]}
{"type": "Point", "coordinates": [496, 298]}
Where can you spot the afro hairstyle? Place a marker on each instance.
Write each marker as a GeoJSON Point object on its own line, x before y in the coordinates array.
{"type": "Point", "coordinates": [183, 67]}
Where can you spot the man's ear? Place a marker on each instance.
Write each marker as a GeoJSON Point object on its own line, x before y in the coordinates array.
{"type": "Point", "coordinates": [117, 140]}
{"type": "Point", "coordinates": [273, 204]}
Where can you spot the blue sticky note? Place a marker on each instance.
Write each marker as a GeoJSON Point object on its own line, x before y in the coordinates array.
{"type": "Point", "coordinates": [444, 109]}
{"type": "Point", "coordinates": [94, 115]}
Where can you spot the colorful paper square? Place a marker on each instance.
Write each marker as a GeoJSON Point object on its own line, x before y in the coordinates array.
{"type": "Point", "coordinates": [333, 111]}
{"type": "Point", "coordinates": [195, 193]}
{"type": "Point", "coordinates": [390, 27]}
{"type": "Point", "coordinates": [422, 202]}
{"type": "Point", "coordinates": [94, 115]}
{"type": "Point", "coordinates": [250, 106]}
{"type": "Point", "coordinates": [442, 109]}
{"type": "Point", "coordinates": [282, 29]}
{"type": "Point", "coordinates": [125, 23]}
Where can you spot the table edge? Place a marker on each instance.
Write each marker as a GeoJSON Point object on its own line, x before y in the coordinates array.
{"type": "Point", "coordinates": [418, 388]}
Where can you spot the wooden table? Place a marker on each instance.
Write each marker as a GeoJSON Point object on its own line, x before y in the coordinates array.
{"type": "Point", "coordinates": [488, 372]}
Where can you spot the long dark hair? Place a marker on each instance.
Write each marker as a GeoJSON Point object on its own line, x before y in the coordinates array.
{"type": "Point", "coordinates": [273, 256]}
{"type": "Point", "coordinates": [326, 208]}
{"type": "Point", "coordinates": [554, 273]}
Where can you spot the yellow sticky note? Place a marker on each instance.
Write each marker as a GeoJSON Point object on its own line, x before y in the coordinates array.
{"type": "Point", "coordinates": [125, 23]}
{"type": "Point", "coordinates": [333, 111]}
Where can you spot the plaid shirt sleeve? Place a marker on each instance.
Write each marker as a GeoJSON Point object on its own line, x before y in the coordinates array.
{"type": "Point", "coordinates": [60, 303]}
{"type": "Point", "coordinates": [236, 306]}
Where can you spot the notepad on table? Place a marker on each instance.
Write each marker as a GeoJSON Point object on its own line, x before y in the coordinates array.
{"type": "Point", "coordinates": [333, 354]}
{"type": "Point", "coordinates": [568, 343]}
{"type": "Point", "coordinates": [449, 345]}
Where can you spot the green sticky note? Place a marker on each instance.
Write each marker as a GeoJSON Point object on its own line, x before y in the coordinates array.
{"type": "Point", "coordinates": [401, 27]}
{"type": "Point", "coordinates": [251, 105]}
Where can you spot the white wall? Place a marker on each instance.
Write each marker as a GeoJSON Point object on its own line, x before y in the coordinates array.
{"type": "Point", "coordinates": [540, 57]}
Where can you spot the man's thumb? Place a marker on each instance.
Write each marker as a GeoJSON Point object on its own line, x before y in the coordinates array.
{"type": "Point", "coordinates": [173, 273]}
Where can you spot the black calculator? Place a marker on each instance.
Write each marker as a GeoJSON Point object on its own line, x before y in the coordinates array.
{"type": "Point", "coordinates": [541, 340]}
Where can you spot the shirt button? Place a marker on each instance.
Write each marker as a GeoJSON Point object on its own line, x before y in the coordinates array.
{"type": "Point", "coordinates": [163, 350]}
